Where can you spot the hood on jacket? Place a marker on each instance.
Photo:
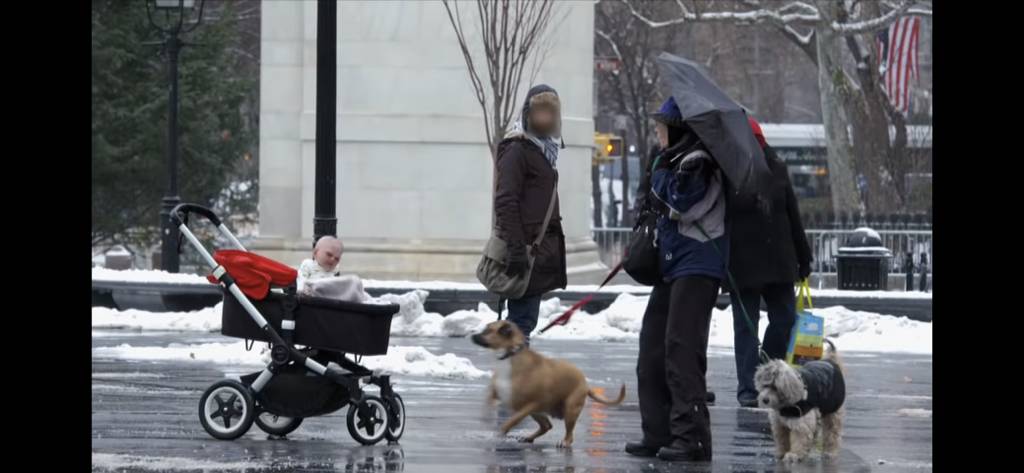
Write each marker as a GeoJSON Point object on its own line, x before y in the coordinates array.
{"type": "Point", "coordinates": [540, 95]}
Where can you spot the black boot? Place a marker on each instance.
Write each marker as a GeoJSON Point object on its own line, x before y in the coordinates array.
{"type": "Point", "coordinates": [680, 451]}
{"type": "Point", "coordinates": [641, 449]}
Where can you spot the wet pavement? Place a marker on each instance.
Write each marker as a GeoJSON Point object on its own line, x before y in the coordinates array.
{"type": "Point", "coordinates": [145, 418]}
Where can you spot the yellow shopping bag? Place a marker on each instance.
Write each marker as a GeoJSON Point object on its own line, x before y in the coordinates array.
{"type": "Point", "coordinates": [808, 339]}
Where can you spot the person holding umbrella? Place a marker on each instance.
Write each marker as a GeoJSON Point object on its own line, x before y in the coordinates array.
{"type": "Point", "coordinates": [708, 147]}
{"type": "Point", "coordinates": [768, 254]}
{"type": "Point", "coordinates": [687, 185]}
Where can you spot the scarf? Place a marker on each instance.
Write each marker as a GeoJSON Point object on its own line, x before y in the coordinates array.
{"type": "Point", "coordinates": [548, 145]}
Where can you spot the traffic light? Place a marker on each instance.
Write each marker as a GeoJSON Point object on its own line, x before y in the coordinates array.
{"type": "Point", "coordinates": [607, 148]}
{"type": "Point", "coordinates": [614, 147]}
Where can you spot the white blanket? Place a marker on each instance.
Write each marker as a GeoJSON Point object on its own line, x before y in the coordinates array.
{"type": "Point", "coordinates": [347, 288]}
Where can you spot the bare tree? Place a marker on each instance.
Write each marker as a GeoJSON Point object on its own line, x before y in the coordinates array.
{"type": "Point", "coordinates": [854, 111]}
{"type": "Point", "coordinates": [512, 33]}
{"type": "Point", "coordinates": [634, 84]}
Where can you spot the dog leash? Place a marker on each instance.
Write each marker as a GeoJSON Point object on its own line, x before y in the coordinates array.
{"type": "Point", "coordinates": [743, 309]}
{"type": "Point", "coordinates": [564, 318]}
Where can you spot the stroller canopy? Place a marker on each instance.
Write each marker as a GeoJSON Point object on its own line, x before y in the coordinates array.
{"type": "Point", "coordinates": [254, 274]}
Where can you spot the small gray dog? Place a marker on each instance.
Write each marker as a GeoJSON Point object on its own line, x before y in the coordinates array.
{"type": "Point", "coordinates": [804, 402]}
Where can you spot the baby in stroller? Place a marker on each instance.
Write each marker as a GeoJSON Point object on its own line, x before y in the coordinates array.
{"type": "Point", "coordinates": [321, 276]}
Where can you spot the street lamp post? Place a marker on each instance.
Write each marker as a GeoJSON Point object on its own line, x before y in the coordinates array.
{"type": "Point", "coordinates": [325, 221]}
{"type": "Point", "coordinates": [172, 45]}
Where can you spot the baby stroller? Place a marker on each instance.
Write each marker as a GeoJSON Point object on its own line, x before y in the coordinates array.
{"type": "Point", "coordinates": [260, 303]}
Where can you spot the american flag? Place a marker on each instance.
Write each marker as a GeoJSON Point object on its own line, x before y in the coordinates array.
{"type": "Point", "coordinates": [897, 53]}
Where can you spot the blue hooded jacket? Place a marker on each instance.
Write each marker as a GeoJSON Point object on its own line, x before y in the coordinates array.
{"type": "Point", "coordinates": [692, 190]}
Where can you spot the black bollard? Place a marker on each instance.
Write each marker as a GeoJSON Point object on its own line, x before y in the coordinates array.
{"type": "Point", "coordinates": [908, 267]}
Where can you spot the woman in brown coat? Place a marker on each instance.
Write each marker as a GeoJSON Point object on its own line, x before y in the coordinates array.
{"type": "Point", "coordinates": [526, 177]}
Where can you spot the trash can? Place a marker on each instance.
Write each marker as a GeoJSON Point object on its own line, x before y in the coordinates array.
{"type": "Point", "coordinates": [863, 263]}
{"type": "Point", "coordinates": [118, 258]}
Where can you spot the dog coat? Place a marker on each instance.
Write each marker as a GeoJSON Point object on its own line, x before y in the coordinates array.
{"type": "Point", "coordinates": [826, 389]}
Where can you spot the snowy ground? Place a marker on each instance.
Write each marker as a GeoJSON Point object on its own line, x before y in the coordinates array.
{"type": "Point", "coordinates": [149, 370]}
{"type": "Point", "coordinates": [144, 415]}
{"type": "Point", "coordinates": [156, 276]}
{"type": "Point", "coordinates": [851, 331]}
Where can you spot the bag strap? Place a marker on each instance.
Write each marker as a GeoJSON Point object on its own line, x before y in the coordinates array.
{"type": "Point", "coordinates": [547, 216]}
{"type": "Point", "coordinates": [805, 292]}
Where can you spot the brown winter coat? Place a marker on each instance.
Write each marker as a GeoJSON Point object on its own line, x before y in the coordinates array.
{"type": "Point", "coordinates": [524, 184]}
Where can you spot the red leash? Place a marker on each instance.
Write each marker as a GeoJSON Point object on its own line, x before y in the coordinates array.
{"type": "Point", "coordinates": [564, 318]}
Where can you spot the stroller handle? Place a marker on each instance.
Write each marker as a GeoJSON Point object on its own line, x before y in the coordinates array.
{"type": "Point", "coordinates": [180, 211]}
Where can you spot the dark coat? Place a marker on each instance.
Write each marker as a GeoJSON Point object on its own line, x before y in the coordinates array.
{"type": "Point", "coordinates": [767, 249]}
{"type": "Point", "coordinates": [681, 190]}
{"type": "Point", "coordinates": [524, 183]}
{"type": "Point", "coordinates": [826, 389]}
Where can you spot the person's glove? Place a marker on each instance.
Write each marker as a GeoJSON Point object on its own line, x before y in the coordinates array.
{"type": "Point", "coordinates": [804, 271]}
{"type": "Point", "coordinates": [517, 261]}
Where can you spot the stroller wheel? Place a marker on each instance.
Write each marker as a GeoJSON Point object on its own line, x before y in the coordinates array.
{"type": "Point", "coordinates": [226, 410]}
{"type": "Point", "coordinates": [396, 417]}
{"type": "Point", "coordinates": [368, 420]}
{"type": "Point", "coordinates": [274, 424]}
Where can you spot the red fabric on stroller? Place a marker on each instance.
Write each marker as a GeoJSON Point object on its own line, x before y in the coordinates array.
{"type": "Point", "coordinates": [254, 274]}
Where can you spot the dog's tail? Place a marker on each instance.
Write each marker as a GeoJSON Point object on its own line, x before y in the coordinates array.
{"type": "Point", "coordinates": [608, 402]}
{"type": "Point", "coordinates": [832, 355]}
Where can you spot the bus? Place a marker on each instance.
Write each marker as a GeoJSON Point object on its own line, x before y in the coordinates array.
{"type": "Point", "coordinates": [803, 148]}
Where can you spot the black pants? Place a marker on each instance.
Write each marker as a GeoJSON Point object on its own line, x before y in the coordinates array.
{"type": "Point", "coordinates": [781, 304]}
{"type": "Point", "coordinates": [673, 361]}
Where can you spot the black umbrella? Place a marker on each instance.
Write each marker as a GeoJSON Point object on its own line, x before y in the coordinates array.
{"type": "Point", "coordinates": [719, 122]}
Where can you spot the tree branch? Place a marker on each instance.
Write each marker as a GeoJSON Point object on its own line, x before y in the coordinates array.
{"type": "Point", "coordinates": [873, 24]}
{"type": "Point", "coordinates": [478, 87]}
{"type": "Point", "coordinates": [607, 38]}
{"type": "Point", "coordinates": [807, 14]}
{"type": "Point", "coordinates": [789, 14]}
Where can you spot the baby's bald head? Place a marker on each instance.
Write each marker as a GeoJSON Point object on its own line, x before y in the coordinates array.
{"type": "Point", "coordinates": [327, 252]}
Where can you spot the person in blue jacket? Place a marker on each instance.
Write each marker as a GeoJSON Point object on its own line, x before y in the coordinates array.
{"type": "Point", "coordinates": [687, 189]}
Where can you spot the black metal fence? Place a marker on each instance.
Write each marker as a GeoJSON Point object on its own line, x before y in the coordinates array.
{"type": "Point", "coordinates": [903, 221]}
{"type": "Point", "coordinates": [907, 246]}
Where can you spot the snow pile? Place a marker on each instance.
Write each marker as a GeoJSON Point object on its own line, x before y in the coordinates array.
{"type": "Point", "coordinates": [853, 330]}
{"type": "Point", "coordinates": [622, 288]}
{"type": "Point", "coordinates": [411, 320]}
{"type": "Point", "coordinates": [626, 313]}
{"type": "Point", "coordinates": [402, 360]}
{"type": "Point", "coordinates": [145, 275]}
{"type": "Point", "coordinates": [850, 330]}
{"type": "Point", "coordinates": [223, 353]}
{"type": "Point", "coordinates": [462, 323]}
{"type": "Point", "coordinates": [585, 326]}
{"type": "Point", "coordinates": [418, 361]}
{"type": "Point", "coordinates": [205, 320]}
{"type": "Point", "coordinates": [870, 232]}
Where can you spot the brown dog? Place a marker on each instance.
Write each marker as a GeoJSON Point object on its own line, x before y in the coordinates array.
{"type": "Point", "coordinates": [533, 385]}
